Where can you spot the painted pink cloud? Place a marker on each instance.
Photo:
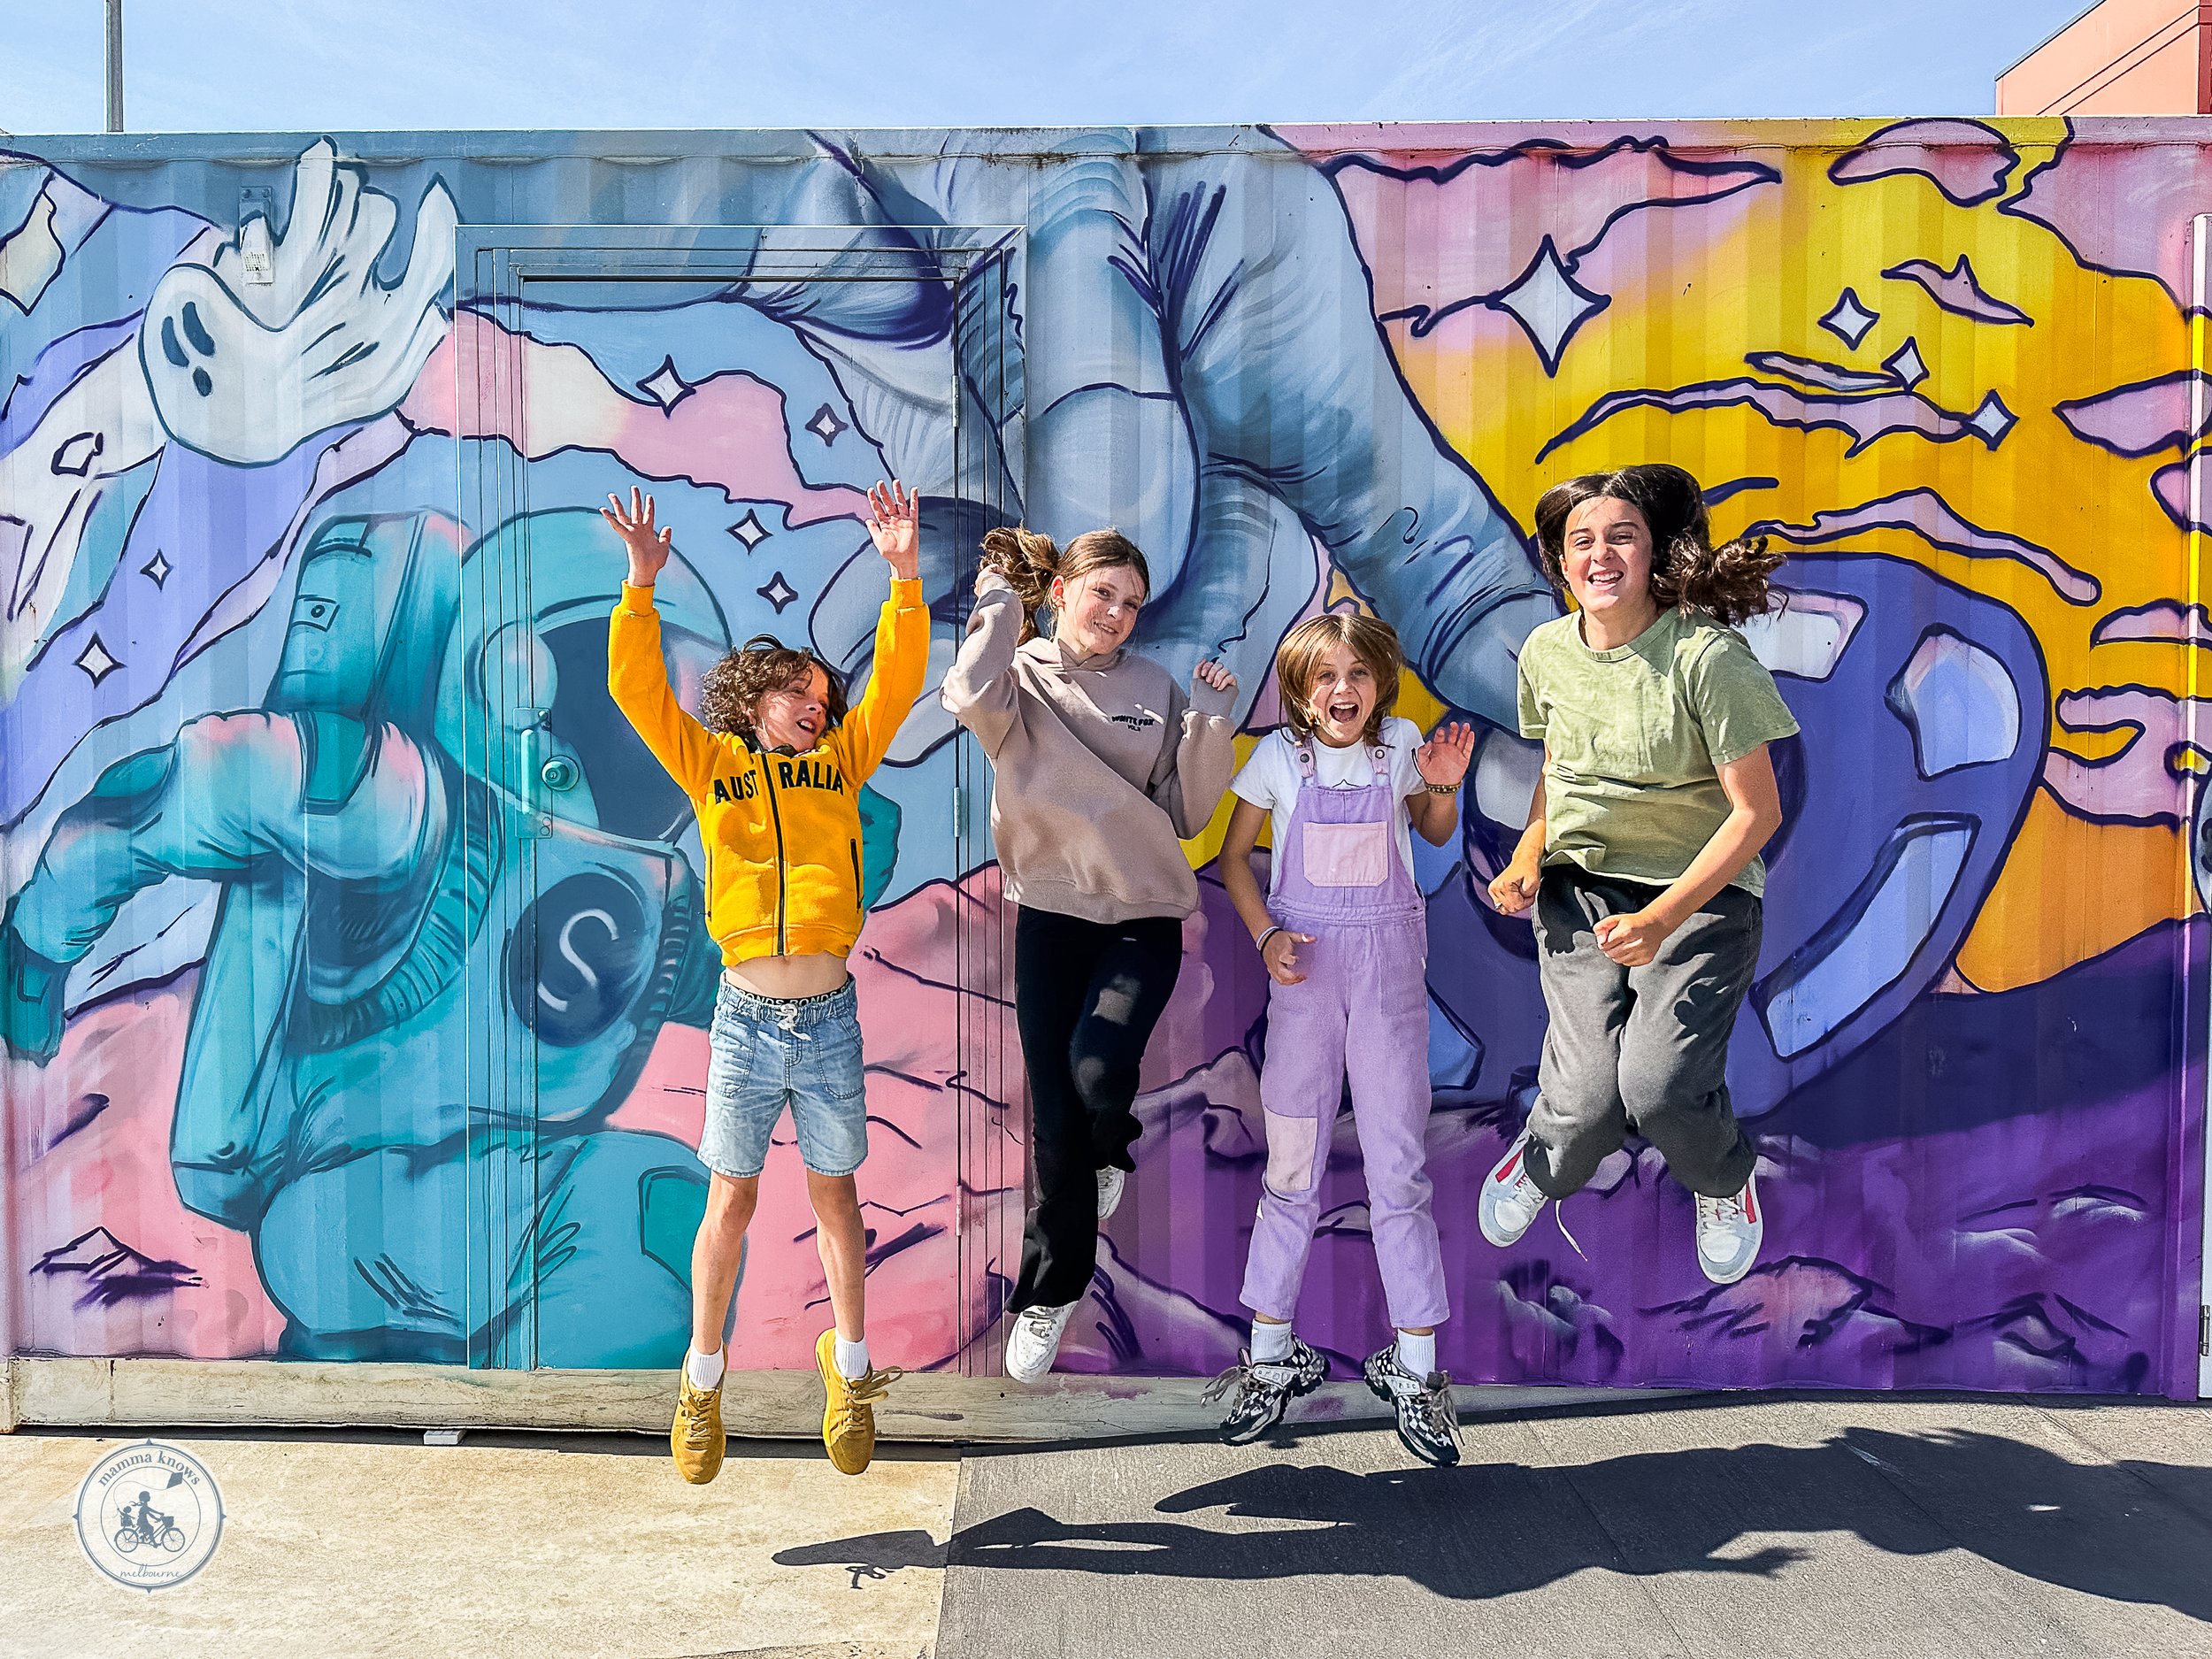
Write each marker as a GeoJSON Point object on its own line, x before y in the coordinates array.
{"type": "Point", "coordinates": [728, 432]}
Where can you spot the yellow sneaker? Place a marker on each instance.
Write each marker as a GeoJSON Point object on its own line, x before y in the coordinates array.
{"type": "Point", "coordinates": [697, 1440]}
{"type": "Point", "coordinates": [848, 1421]}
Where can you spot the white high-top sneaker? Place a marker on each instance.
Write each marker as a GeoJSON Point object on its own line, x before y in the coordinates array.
{"type": "Point", "coordinates": [1729, 1232]}
{"type": "Point", "coordinates": [1110, 1182]}
{"type": "Point", "coordinates": [1509, 1202]}
{"type": "Point", "coordinates": [1034, 1342]}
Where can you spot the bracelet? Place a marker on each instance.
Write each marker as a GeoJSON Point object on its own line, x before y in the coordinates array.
{"type": "Point", "coordinates": [1443, 789]}
{"type": "Point", "coordinates": [1260, 944]}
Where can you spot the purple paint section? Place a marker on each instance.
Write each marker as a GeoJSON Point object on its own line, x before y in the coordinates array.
{"type": "Point", "coordinates": [57, 367]}
{"type": "Point", "coordinates": [1967, 161]}
{"type": "Point", "coordinates": [2041, 1249]}
{"type": "Point", "coordinates": [212, 524]}
{"type": "Point", "coordinates": [2123, 208]}
{"type": "Point", "coordinates": [2139, 419]}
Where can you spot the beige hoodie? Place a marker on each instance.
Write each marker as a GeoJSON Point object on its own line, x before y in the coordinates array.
{"type": "Point", "coordinates": [1099, 766]}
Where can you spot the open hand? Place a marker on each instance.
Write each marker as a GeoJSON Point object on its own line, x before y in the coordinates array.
{"type": "Point", "coordinates": [1444, 758]}
{"type": "Point", "coordinates": [895, 522]}
{"type": "Point", "coordinates": [1280, 953]}
{"type": "Point", "coordinates": [1216, 675]}
{"type": "Point", "coordinates": [649, 549]}
{"type": "Point", "coordinates": [1515, 890]}
{"type": "Point", "coordinates": [1632, 938]}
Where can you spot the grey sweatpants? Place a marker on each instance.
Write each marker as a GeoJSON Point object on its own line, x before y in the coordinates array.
{"type": "Point", "coordinates": [1639, 1048]}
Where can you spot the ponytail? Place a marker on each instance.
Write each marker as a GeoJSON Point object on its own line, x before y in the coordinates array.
{"type": "Point", "coordinates": [1031, 563]}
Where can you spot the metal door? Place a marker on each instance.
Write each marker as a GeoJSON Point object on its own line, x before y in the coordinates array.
{"type": "Point", "coordinates": [755, 380]}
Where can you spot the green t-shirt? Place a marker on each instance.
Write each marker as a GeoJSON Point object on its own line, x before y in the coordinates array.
{"type": "Point", "coordinates": [1635, 735]}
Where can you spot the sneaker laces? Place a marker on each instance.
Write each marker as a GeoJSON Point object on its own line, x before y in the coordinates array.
{"type": "Point", "coordinates": [1729, 1209]}
{"type": "Point", "coordinates": [698, 1435]}
{"type": "Point", "coordinates": [1433, 1407]}
{"type": "Point", "coordinates": [1239, 1377]}
{"type": "Point", "coordinates": [862, 1392]}
{"type": "Point", "coordinates": [1040, 1319]}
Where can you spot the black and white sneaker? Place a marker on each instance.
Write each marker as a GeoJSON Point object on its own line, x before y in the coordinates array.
{"type": "Point", "coordinates": [1260, 1391]}
{"type": "Point", "coordinates": [1426, 1422]}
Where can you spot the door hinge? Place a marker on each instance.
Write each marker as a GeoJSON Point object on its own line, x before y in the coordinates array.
{"type": "Point", "coordinates": [959, 816]}
{"type": "Point", "coordinates": [2204, 1332]}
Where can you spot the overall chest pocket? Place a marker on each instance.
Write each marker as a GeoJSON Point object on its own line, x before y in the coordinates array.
{"type": "Point", "coordinates": [1347, 855]}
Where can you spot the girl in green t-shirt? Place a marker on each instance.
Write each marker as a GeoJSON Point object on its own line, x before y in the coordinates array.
{"type": "Point", "coordinates": [1641, 854]}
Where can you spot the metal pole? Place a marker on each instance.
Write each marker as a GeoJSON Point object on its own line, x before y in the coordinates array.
{"type": "Point", "coordinates": [115, 65]}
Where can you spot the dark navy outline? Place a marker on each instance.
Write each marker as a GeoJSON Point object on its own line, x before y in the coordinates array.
{"type": "Point", "coordinates": [1811, 536]}
{"type": "Point", "coordinates": [1621, 400]}
{"type": "Point", "coordinates": [2097, 634]}
{"type": "Point", "coordinates": [1860, 150]}
{"type": "Point", "coordinates": [1993, 439]}
{"type": "Point", "coordinates": [2181, 438]}
{"type": "Point", "coordinates": [1825, 319]}
{"type": "Point", "coordinates": [1719, 493]}
{"type": "Point", "coordinates": [1821, 376]}
{"type": "Point", "coordinates": [1961, 270]}
{"type": "Point", "coordinates": [1889, 362]}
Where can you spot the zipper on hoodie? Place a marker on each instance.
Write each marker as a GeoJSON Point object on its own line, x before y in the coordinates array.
{"type": "Point", "coordinates": [775, 816]}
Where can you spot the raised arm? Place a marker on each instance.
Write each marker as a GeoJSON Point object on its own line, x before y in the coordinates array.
{"type": "Point", "coordinates": [1188, 783]}
{"type": "Point", "coordinates": [979, 690]}
{"type": "Point", "coordinates": [901, 658]}
{"type": "Point", "coordinates": [637, 674]}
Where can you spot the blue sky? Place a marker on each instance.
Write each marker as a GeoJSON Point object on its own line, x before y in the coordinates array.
{"type": "Point", "coordinates": [320, 65]}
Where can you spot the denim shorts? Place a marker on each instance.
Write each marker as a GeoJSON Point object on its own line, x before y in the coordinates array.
{"type": "Point", "coordinates": [765, 1053]}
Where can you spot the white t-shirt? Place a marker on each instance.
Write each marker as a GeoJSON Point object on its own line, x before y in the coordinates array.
{"type": "Point", "coordinates": [1269, 781]}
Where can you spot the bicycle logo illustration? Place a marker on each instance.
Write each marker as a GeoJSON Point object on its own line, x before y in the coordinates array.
{"type": "Point", "coordinates": [149, 1515]}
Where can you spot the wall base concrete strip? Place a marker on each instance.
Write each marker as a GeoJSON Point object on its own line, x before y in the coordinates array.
{"type": "Point", "coordinates": [928, 1406]}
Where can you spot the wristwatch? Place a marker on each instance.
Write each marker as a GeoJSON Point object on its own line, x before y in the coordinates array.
{"type": "Point", "coordinates": [1443, 789]}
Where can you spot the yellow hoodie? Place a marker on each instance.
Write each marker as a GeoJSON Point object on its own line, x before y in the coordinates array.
{"type": "Point", "coordinates": [781, 832]}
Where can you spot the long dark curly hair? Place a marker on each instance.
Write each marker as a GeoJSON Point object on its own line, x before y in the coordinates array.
{"type": "Point", "coordinates": [730, 692]}
{"type": "Point", "coordinates": [1728, 582]}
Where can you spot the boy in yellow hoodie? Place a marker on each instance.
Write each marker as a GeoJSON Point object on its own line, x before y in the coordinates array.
{"type": "Point", "coordinates": [774, 767]}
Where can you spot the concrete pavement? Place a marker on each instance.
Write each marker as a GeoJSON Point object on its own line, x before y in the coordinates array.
{"type": "Point", "coordinates": [1707, 1524]}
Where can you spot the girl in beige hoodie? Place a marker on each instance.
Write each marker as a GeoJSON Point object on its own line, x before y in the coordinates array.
{"type": "Point", "coordinates": [1101, 765]}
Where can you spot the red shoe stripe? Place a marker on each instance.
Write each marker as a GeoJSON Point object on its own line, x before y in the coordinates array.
{"type": "Point", "coordinates": [1507, 1169]}
{"type": "Point", "coordinates": [1750, 1204]}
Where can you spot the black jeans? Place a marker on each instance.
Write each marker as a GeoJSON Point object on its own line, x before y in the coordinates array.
{"type": "Point", "coordinates": [1086, 995]}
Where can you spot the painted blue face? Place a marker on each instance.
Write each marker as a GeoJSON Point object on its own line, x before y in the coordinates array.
{"type": "Point", "coordinates": [330, 647]}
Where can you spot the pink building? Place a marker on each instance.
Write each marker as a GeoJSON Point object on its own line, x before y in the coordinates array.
{"type": "Point", "coordinates": [2119, 58]}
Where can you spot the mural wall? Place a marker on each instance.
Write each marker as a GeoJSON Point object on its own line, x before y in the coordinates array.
{"type": "Point", "coordinates": [355, 991]}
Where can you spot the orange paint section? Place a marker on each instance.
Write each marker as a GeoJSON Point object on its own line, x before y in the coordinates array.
{"type": "Point", "coordinates": [2072, 890]}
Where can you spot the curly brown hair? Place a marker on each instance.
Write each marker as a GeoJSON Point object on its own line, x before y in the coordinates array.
{"type": "Point", "coordinates": [1030, 561]}
{"type": "Point", "coordinates": [730, 692]}
{"type": "Point", "coordinates": [1298, 659]}
{"type": "Point", "coordinates": [1728, 582]}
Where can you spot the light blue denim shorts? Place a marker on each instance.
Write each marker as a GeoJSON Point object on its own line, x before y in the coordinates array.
{"type": "Point", "coordinates": [765, 1053]}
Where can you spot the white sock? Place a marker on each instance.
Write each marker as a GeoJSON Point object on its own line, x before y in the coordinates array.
{"type": "Point", "coordinates": [1417, 1354]}
{"type": "Point", "coordinates": [1269, 1341]}
{"type": "Point", "coordinates": [852, 1359]}
{"type": "Point", "coordinates": [705, 1370]}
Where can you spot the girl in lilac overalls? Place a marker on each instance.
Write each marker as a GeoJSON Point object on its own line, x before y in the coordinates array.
{"type": "Point", "coordinates": [1344, 936]}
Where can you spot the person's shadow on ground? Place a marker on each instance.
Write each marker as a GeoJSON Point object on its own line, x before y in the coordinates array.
{"type": "Point", "coordinates": [2132, 1532]}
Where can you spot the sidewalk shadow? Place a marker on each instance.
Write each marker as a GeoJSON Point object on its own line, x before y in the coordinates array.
{"type": "Point", "coordinates": [872, 1555]}
{"type": "Point", "coordinates": [2127, 1531]}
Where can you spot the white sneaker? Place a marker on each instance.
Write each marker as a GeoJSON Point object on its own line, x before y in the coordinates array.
{"type": "Point", "coordinates": [1509, 1202]}
{"type": "Point", "coordinates": [1034, 1341]}
{"type": "Point", "coordinates": [1729, 1232]}
{"type": "Point", "coordinates": [1110, 1182]}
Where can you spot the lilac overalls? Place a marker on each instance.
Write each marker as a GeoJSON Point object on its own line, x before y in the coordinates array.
{"type": "Point", "coordinates": [1362, 1010]}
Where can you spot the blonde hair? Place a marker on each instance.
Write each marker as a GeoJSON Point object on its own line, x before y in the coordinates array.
{"type": "Point", "coordinates": [1030, 562]}
{"type": "Point", "coordinates": [1298, 660]}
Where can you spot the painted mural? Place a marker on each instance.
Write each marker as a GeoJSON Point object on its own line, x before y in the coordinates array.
{"type": "Point", "coordinates": [355, 1000]}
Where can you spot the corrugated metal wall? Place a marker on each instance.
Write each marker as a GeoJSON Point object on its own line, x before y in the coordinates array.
{"type": "Point", "coordinates": [312, 1052]}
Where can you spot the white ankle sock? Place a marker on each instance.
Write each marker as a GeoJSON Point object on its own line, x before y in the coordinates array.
{"type": "Point", "coordinates": [1269, 1341]}
{"type": "Point", "coordinates": [1417, 1354]}
{"type": "Point", "coordinates": [852, 1359]}
{"type": "Point", "coordinates": [705, 1370]}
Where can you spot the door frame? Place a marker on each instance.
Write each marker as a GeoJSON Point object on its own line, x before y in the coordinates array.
{"type": "Point", "coordinates": [980, 265]}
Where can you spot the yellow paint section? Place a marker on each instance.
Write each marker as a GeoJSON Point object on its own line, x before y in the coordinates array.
{"type": "Point", "coordinates": [1694, 295]}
